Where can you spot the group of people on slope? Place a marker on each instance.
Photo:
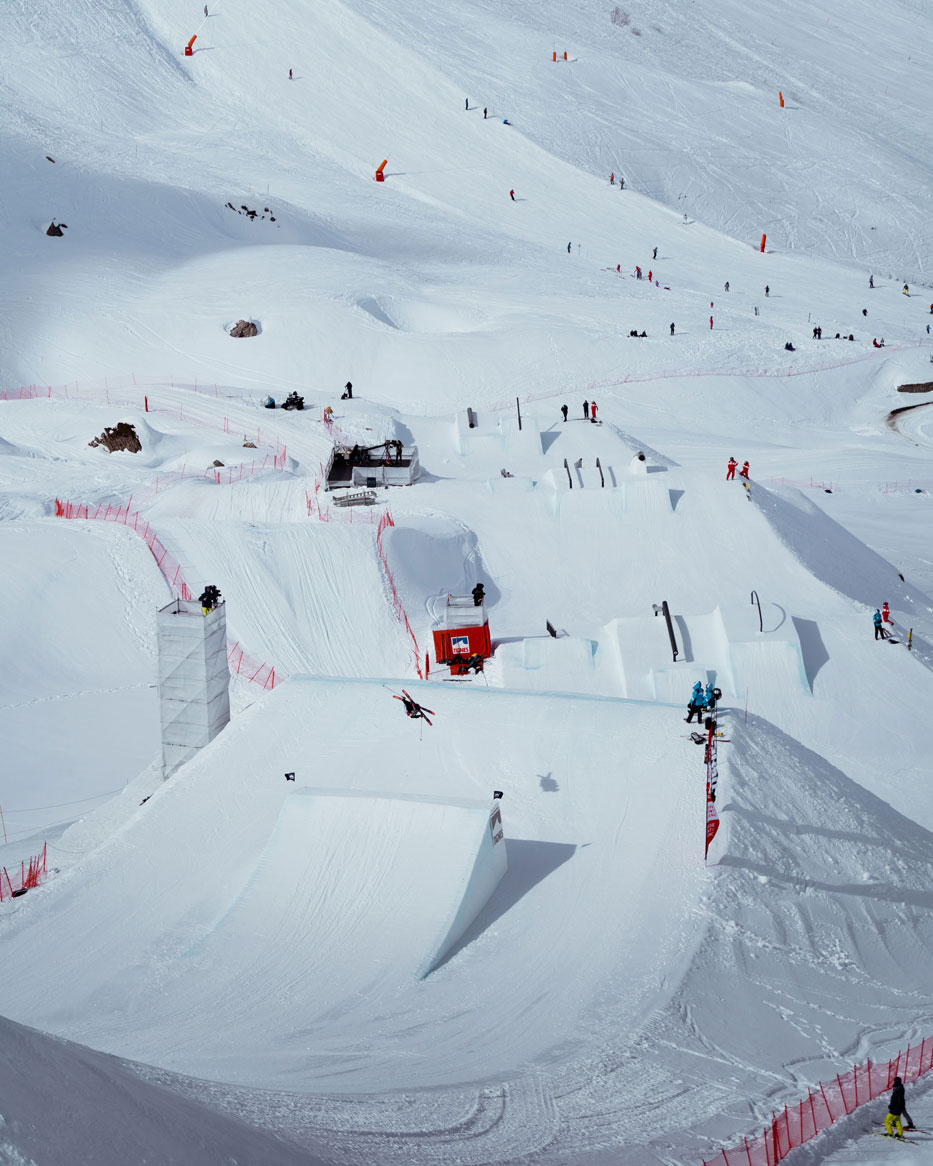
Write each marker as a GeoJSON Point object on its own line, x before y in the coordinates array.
{"type": "Point", "coordinates": [589, 411]}
{"type": "Point", "coordinates": [730, 470]}
{"type": "Point", "coordinates": [700, 700]}
{"type": "Point", "coordinates": [879, 619]}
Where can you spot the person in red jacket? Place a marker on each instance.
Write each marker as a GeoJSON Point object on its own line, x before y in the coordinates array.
{"type": "Point", "coordinates": [730, 469]}
{"type": "Point", "coordinates": [743, 472]}
{"type": "Point", "coordinates": [512, 195]}
{"type": "Point", "coordinates": [592, 410]}
{"type": "Point", "coordinates": [886, 612]}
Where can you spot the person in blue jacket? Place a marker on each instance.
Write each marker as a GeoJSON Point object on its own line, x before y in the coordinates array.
{"type": "Point", "coordinates": [880, 633]}
{"type": "Point", "coordinates": [697, 703]}
{"type": "Point", "coordinates": [710, 698]}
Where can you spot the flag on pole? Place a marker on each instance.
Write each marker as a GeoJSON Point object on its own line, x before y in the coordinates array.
{"type": "Point", "coordinates": [712, 821]}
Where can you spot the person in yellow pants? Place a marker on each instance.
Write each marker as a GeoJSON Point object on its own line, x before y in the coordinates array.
{"type": "Point", "coordinates": [896, 1108]}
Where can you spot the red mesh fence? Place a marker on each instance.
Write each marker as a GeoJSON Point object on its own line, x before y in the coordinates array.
{"type": "Point", "coordinates": [169, 566]}
{"type": "Point", "coordinates": [131, 391]}
{"type": "Point", "coordinates": [242, 665]}
{"type": "Point", "coordinates": [678, 373]}
{"type": "Point", "coordinates": [367, 518]}
{"type": "Point", "coordinates": [824, 1105]}
{"type": "Point", "coordinates": [386, 521]}
{"type": "Point", "coordinates": [262, 674]}
{"type": "Point", "coordinates": [28, 876]}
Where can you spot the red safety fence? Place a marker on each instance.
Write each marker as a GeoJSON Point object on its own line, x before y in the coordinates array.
{"type": "Point", "coordinates": [169, 566]}
{"type": "Point", "coordinates": [813, 484]}
{"type": "Point", "coordinates": [384, 522]}
{"type": "Point", "coordinates": [242, 665]}
{"type": "Point", "coordinates": [368, 518]}
{"type": "Point", "coordinates": [824, 1105]}
{"type": "Point", "coordinates": [129, 391]}
{"type": "Point", "coordinates": [29, 876]}
{"type": "Point", "coordinates": [262, 674]}
{"type": "Point", "coordinates": [679, 373]}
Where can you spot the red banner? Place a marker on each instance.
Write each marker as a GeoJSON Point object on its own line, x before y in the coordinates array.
{"type": "Point", "coordinates": [712, 821]}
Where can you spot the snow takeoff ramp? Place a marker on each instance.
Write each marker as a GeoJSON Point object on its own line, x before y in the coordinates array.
{"type": "Point", "coordinates": [351, 887]}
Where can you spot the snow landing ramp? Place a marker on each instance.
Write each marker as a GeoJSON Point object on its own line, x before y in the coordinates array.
{"type": "Point", "coordinates": [358, 873]}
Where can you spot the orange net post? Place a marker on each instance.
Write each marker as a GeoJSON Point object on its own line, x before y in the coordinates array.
{"type": "Point", "coordinates": [764, 239]}
{"type": "Point", "coordinates": [781, 98]}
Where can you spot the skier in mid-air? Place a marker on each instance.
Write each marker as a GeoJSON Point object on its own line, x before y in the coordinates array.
{"type": "Point", "coordinates": [412, 709]}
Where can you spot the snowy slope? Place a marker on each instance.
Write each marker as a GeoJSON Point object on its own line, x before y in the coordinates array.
{"type": "Point", "coordinates": [616, 1000]}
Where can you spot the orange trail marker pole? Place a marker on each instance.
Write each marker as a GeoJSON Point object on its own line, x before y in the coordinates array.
{"type": "Point", "coordinates": [189, 52]}
{"type": "Point", "coordinates": [554, 55]}
{"type": "Point", "coordinates": [764, 239]}
{"type": "Point", "coordinates": [781, 98]}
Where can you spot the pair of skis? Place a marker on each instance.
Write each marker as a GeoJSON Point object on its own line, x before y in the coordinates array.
{"type": "Point", "coordinates": [413, 709]}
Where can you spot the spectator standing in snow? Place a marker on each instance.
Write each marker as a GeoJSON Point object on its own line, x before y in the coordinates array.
{"type": "Point", "coordinates": [205, 10]}
{"type": "Point", "coordinates": [710, 697]}
{"type": "Point", "coordinates": [725, 286]}
{"type": "Point", "coordinates": [637, 272]}
{"type": "Point", "coordinates": [672, 329]}
{"type": "Point", "coordinates": [696, 704]}
{"type": "Point", "coordinates": [654, 253]}
{"type": "Point", "coordinates": [906, 291]}
{"type": "Point", "coordinates": [730, 469]}
{"type": "Point", "coordinates": [568, 248]}
{"type": "Point", "coordinates": [886, 612]}
{"type": "Point", "coordinates": [512, 195]}
{"type": "Point", "coordinates": [347, 394]}
{"type": "Point", "coordinates": [612, 179]}
{"type": "Point", "coordinates": [897, 1108]}
{"type": "Point", "coordinates": [711, 323]}
{"type": "Point", "coordinates": [563, 410]}
{"type": "Point", "coordinates": [592, 410]}
{"type": "Point", "coordinates": [744, 471]}
{"type": "Point", "coordinates": [767, 290]}
{"type": "Point", "coordinates": [289, 74]}
{"type": "Point", "coordinates": [871, 281]}
{"type": "Point", "coordinates": [485, 111]}
{"type": "Point", "coordinates": [650, 276]}
{"type": "Point", "coordinates": [466, 103]}
{"type": "Point", "coordinates": [621, 183]}
{"type": "Point", "coordinates": [586, 410]}
{"type": "Point", "coordinates": [880, 633]}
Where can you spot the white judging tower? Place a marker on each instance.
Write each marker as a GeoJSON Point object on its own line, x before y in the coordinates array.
{"type": "Point", "coordinates": [194, 698]}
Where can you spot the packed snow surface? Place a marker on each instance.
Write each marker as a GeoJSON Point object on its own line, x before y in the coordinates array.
{"type": "Point", "coordinates": [229, 966]}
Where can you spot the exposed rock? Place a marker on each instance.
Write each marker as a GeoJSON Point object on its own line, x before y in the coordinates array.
{"type": "Point", "coordinates": [244, 328]}
{"type": "Point", "coordinates": [218, 462]}
{"type": "Point", "coordinates": [924, 388]}
{"type": "Point", "coordinates": [122, 436]}
{"type": "Point", "coordinates": [54, 230]}
{"type": "Point", "coordinates": [249, 444]}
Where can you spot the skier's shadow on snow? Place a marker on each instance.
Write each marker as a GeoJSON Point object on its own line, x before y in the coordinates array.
{"type": "Point", "coordinates": [530, 862]}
